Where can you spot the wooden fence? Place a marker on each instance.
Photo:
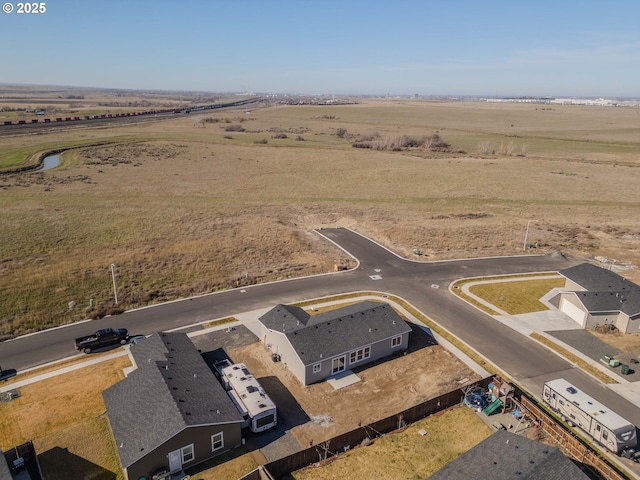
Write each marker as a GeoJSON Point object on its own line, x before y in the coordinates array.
{"type": "Point", "coordinates": [279, 469]}
{"type": "Point", "coordinates": [567, 441]}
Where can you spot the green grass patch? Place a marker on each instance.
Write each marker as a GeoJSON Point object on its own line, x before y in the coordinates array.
{"type": "Point", "coordinates": [518, 296]}
{"type": "Point", "coordinates": [529, 302]}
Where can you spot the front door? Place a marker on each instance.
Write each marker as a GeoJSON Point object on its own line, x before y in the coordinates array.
{"type": "Point", "coordinates": [175, 461]}
{"type": "Point", "coordinates": [337, 365]}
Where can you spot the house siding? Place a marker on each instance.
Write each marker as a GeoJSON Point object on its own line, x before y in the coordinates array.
{"type": "Point", "coordinates": [200, 437]}
{"type": "Point", "coordinates": [379, 350]}
{"type": "Point", "coordinates": [278, 343]}
{"type": "Point", "coordinates": [595, 319]}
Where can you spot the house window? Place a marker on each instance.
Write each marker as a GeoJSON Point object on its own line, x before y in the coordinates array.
{"type": "Point", "coordinates": [359, 355]}
{"type": "Point", "coordinates": [337, 365]}
{"type": "Point", "coordinates": [217, 442]}
{"type": "Point", "coordinates": [396, 341]}
{"type": "Point", "coordinates": [317, 367]}
{"type": "Point", "coordinates": [187, 453]}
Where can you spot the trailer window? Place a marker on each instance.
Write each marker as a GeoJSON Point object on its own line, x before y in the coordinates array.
{"type": "Point", "coordinates": [560, 402]}
{"type": "Point", "coordinates": [598, 428]}
{"type": "Point", "coordinates": [605, 434]}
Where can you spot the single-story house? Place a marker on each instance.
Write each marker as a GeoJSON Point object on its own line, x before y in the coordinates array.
{"type": "Point", "coordinates": [170, 412]}
{"type": "Point", "coordinates": [505, 455]}
{"type": "Point", "coordinates": [315, 347]}
{"type": "Point", "coordinates": [595, 296]}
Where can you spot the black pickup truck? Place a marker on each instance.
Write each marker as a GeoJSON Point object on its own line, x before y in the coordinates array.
{"type": "Point", "coordinates": [102, 338]}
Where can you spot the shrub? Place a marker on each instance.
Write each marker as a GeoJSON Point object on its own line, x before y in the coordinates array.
{"type": "Point", "coordinates": [341, 132]}
{"type": "Point", "coordinates": [262, 141]}
{"type": "Point", "coordinates": [299, 138]}
{"type": "Point", "coordinates": [280, 135]}
{"type": "Point", "coordinates": [234, 128]}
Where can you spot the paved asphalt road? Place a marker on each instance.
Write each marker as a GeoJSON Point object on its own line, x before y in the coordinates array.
{"type": "Point", "coordinates": [425, 285]}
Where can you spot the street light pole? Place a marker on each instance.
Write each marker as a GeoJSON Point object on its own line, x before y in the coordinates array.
{"type": "Point", "coordinates": [113, 276]}
{"type": "Point", "coordinates": [526, 234]}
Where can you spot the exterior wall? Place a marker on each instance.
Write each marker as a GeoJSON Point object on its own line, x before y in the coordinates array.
{"type": "Point", "coordinates": [378, 350]}
{"type": "Point", "coordinates": [571, 286]}
{"type": "Point", "coordinates": [628, 324]}
{"type": "Point", "coordinates": [595, 319]}
{"type": "Point", "coordinates": [278, 343]}
{"type": "Point", "coordinates": [201, 439]}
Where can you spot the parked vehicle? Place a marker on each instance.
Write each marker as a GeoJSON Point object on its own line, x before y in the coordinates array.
{"type": "Point", "coordinates": [578, 409]}
{"type": "Point", "coordinates": [257, 409]}
{"type": "Point", "coordinates": [6, 374]}
{"type": "Point", "coordinates": [102, 338]}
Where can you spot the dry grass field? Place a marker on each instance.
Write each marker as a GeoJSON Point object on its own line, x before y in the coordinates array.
{"type": "Point", "coordinates": [408, 454]}
{"type": "Point", "coordinates": [184, 206]}
{"type": "Point", "coordinates": [63, 416]}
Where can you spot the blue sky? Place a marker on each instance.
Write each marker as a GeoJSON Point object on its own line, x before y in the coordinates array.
{"type": "Point", "coordinates": [446, 47]}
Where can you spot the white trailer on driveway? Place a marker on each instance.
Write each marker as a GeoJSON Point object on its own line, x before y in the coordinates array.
{"type": "Point", "coordinates": [257, 409]}
{"type": "Point", "coordinates": [576, 408]}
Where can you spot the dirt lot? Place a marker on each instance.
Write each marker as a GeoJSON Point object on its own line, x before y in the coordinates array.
{"type": "Point", "coordinates": [318, 412]}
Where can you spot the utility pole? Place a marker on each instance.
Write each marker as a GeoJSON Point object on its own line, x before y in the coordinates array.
{"type": "Point", "coordinates": [113, 277]}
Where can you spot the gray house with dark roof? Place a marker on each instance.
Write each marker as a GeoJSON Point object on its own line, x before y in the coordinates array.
{"type": "Point", "coordinates": [315, 347]}
{"type": "Point", "coordinates": [505, 456]}
{"type": "Point", "coordinates": [170, 412]}
{"type": "Point", "coordinates": [595, 296]}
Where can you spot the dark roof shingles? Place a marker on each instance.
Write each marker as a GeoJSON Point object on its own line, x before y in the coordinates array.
{"type": "Point", "coordinates": [171, 389]}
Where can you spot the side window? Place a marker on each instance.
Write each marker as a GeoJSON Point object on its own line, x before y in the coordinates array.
{"type": "Point", "coordinates": [217, 442]}
{"type": "Point", "coordinates": [605, 434]}
{"type": "Point", "coordinates": [317, 367]}
{"type": "Point", "coordinates": [187, 453]}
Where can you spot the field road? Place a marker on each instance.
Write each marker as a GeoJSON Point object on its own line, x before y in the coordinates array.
{"type": "Point", "coordinates": [423, 284]}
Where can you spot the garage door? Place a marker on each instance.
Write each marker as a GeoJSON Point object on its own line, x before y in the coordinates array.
{"type": "Point", "coordinates": [574, 312]}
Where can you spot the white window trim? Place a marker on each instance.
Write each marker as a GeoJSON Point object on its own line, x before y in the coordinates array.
{"type": "Point", "coordinates": [317, 367]}
{"type": "Point", "coordinates": [366, 349]}
{"type": "Point", "coordinates": [396, 341]}
{"type": "Point", "coordinates": [221, 435]}
{"type": "Point", "coordinates": [192, 453]}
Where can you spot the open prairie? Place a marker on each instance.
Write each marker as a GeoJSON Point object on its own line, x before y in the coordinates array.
{"type": "Point", "coordinates": [209, 201]}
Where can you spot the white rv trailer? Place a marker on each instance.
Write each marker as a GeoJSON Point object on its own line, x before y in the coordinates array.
{"type": "Point", "coordinates": [257, 409]}
{"type": "Point", "coordinates": [579, 409]}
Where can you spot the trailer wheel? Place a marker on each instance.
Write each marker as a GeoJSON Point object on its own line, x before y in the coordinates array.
{"type": "Point", "coordinates": [563, 418]}
{"type": "Point", "coordinates": [123, 341]}
{"type": "Point", "coordinates": [87, 350]}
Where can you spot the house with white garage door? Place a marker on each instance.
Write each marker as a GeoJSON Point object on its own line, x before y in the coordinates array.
{"type": "Point", "coordinates": [315, 347]}
{"type": "Point", "coordinates": [595, 296]}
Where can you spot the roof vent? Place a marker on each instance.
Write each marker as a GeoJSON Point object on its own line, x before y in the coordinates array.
{"type": "Point", "coordinates": [369, 330]}
{"type": "Point", "coordinates": [194, 375]}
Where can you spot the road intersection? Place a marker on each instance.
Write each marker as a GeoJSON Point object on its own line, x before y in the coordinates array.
{"type": "Point", "coordinates": [422, 284]}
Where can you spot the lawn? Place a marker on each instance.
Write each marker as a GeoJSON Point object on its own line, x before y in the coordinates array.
{"type": "Point", "coordinates": [63, 416]}
{"type": "Point", "coordinates": [517, 296]}
{"type": "Point", "coordinates": [408, 454]}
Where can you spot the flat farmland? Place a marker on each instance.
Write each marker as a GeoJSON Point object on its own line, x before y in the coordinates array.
{"type": "Point", "coordinates": [219, 199]}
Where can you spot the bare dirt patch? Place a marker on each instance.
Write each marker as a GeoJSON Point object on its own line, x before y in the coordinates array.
{"type": "Point", "coordinates": [389, 386]}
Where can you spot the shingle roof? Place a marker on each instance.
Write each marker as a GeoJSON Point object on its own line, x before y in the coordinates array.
{"type": "Point", "coordinates": [338, 331]}
{"type": "Point", "coordinates": [605, 290]}
{"type": "Point", "coordinates": [284, 317]}
{"type": "Point", "coordinates": [505, 456]}
{"type": "Point", "coordinates": [171, 389]}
